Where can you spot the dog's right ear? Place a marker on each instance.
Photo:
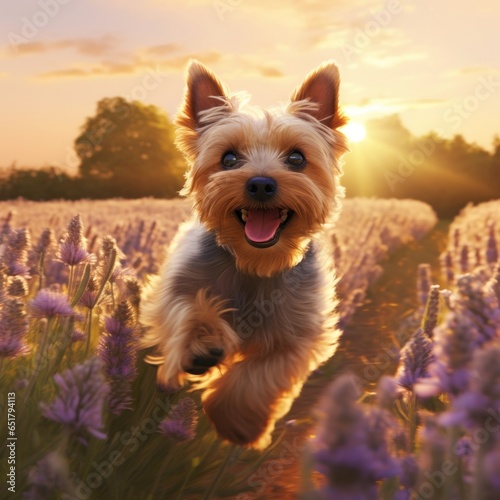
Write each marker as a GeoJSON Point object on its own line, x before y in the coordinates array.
{"type": "Point", "coordinates": [204, 91]}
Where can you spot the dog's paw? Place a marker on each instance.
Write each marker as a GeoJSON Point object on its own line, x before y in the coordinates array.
{"type": "Point", "coordinates": [201, 364]}
{"type": "Point", "coordinates": [238, 420]}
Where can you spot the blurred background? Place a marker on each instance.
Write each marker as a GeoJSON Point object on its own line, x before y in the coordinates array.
{"type": "Point", "coordinates": [89, 90]}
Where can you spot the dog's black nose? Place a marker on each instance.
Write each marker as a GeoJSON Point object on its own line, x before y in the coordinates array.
{"type": "Point", "coordinates": [261, 188]}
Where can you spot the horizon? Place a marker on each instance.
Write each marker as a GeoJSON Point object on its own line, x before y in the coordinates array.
{"type": "Point", "coordinates": [61, 57]}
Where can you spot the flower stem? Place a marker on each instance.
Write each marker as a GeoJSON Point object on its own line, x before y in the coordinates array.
{"type": "Point", "coordinates": [89, 330]}
{"type": "Point", "coordinates": [222, 468]}
{"type": "Point", "coordinates": [412, 419]}
{"type": "Point", "coordinates": [160, 473]}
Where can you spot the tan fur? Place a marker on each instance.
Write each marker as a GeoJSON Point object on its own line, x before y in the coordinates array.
{"type": "Point", "coordinates": [271, 310]}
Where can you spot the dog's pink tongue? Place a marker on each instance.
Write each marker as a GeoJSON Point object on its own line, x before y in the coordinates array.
{"type": "Point", "coordinates": [261, 225]}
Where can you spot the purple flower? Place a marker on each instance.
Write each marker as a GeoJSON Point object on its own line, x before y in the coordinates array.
{"type": "Point", "coordinates": [432, 449]}
{"type": "Point", "coordinates": [478, 302]}
{"type": "Point", "coordinates": [181, 421]}
{"type": "Point", "coordinates": [387, 388]}
{"type": "Point", "coordinates": [16, 252]}
{"type": "Point", "coordinates": [13, 328]}
{"type": "Point", "coordinates": [89, 296]}
{"type": "Point", "coordinates": [49, 304]}
{"type": "Point", "coordinates": [109, 255]}
{"type": "Point", "coordinates": [491, 248]}
{"type": "Point", "coordinates": [409, 471]}
{"type": "Point", "coordinates": [481, 401]}
{"type": "Point", "coordinates": [17, 286]}
{"type": "Point", "coordinates": [464, 259]}
{"type": "Point", "coordinates": [49, 478]}
{"type": "Point", "coordinates": [431, 312]}
{"type": "Point", "coordinates": [82, 394]}
{"type": "Point", "coordinates": [491, 466]}
{"type": "Point", "coordinates": [447, 266]}
{"type": "Point", "coordinates": [416, 357]}
{"type": "Point", "coordinates": [37, 255]}
{"type": "Point", "coordinates": [351, 444]}
{"type": "Point", "coordinates": [73, 245]}
{"type": "Point", "coordinates": [493, 284]}
{"type": "Point", "coordinates": [117, 348]}
{"type": "Point", "coordinates": [449, 372]}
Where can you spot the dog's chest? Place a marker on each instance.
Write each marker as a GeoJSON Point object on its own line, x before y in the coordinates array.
{"type": "Point", "coordinates": [281, 306]}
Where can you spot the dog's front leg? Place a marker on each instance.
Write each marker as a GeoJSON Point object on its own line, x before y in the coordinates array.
{"type": "Point", "coordinates": [190, 335]}
{"type": "Point", "coordinates": [246, 401]}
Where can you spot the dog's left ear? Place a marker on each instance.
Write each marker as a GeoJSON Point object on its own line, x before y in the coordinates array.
{"type": "Point", "coordinates": [321, 87]}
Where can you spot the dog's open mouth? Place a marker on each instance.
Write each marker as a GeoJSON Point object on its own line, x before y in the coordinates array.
{"type": "Point", "coordinates": [263, 226]}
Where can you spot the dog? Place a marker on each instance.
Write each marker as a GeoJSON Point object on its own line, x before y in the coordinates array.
{"type": "Point", "coordinates": [245, 303]}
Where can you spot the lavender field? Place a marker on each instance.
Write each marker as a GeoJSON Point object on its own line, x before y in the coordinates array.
{"type": "Point", "coordinates": [89, 421]}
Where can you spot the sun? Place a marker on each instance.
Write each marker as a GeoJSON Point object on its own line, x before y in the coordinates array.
{"type": "Point", "coordinates": [354, 131]}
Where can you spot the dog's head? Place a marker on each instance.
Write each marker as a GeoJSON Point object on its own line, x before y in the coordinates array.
{"type": "Point", "coordinates": [264, 180]}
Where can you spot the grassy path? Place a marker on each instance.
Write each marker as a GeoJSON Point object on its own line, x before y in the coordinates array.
{"type": "Point", "coordinates": [368, 348]}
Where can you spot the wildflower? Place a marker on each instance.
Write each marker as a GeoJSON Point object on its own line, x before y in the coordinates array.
{"type": "Point", "coordinates": [408, 477]}
{"type": "Point", "coordinates": [453, 350]}
{"type": "Point", "coordinates": [73, 245]}
{"type": "Point", "coordinates": [89, 296]}
{"type": "Point", "coordinates": [480, 305]}
{"type": "Point", "coordinates": [493, 284]}
{"type": "Point", "coordinates": [133, 293]}
{"type": "Point", "coordinates": [386, 392]}
{"type": "Point", "coordinates": [447, 266]}
{"type": "Point", "coordinates": [351, 445]}
{"type": "Point", "coordinates": [118, 348]}
{"type": "Point", "coordinates": [6, 228]}
{"type": "Point", "coordinates": [491, 248]}
{"type": "Point", "coordinates": [482, 399]}
{"type": "Point", "coordinates": [16, 252]}
{"type": "Point", "coordinates": [416, 357]}
{"type": "Point", "coordinates": [424, 281]}
{"type": "Point", "coordinates": [82, 393]}
{"type": "Point", "coordinates": [50, 304]}
{"type": "Point", "coordinates": [181, 421]}
{"type": "Point", "coordinates": [13, 328]}
{"type": "Point", "coordinates": [17, 286]}
{"type": "Point", "coordinates": [37, 255]}
{"type": "Point", "coordinates": [49, 478]}
{"type": "Point", "coordinates": [109, 255]}
{"type": "Point", "coordinates": [77, 335]}
{"type": "Point", "coordinates": [491, 467]}
{"type": "Point", "coordinates": [464, 259]}
{"type": "Point", "coordinates": [433, 446]}
{"type": "Point", "coordinates": [431, 311]}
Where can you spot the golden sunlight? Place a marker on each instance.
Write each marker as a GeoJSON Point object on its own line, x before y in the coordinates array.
{"type": "Point", "coordinates": [354, 131]}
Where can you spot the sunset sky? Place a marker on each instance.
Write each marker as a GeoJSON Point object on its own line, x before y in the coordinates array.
{"type": "Point", "coordinates": [436, 63]}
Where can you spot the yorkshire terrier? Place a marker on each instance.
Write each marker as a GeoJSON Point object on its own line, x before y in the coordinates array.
{"type": "Point", "coordinates": [245, 303]}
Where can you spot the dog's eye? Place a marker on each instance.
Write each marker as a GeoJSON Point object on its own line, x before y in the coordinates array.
{"type": "Point", "coordinates": [229, 160]}
{"type": "Point", "coordinates": [296, 159]}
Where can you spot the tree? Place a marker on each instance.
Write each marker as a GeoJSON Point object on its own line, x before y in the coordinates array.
{"type": "Point", "coordinates": [127, 150]}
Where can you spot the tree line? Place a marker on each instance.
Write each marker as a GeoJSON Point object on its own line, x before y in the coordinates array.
{"type": "Point", "coordinates": [127, 150]}
{"type": "Point", "coordinates": [446, 173]}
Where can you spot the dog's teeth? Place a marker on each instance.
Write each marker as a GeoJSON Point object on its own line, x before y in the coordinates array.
{"type": "Point", "coordinates": [284, 215]}
{"type": "Point", "coordinates": [244, 214]}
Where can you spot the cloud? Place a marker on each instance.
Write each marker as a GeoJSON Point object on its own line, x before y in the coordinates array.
{"type": "Point", "coordinates": [139, 64]}
{"type": "Point", "coordinates": [146, 59]}
{"type": "Point", "coordinates": [377, 106]}
{"type": "Point", "coordinates": [270, 72]}
{"type": "Point", "coordinates": [477, 70]}
{"type": "Point", "coordinates": [94, 47]}
{"type": "Point", "coordinates": [385, 61]}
